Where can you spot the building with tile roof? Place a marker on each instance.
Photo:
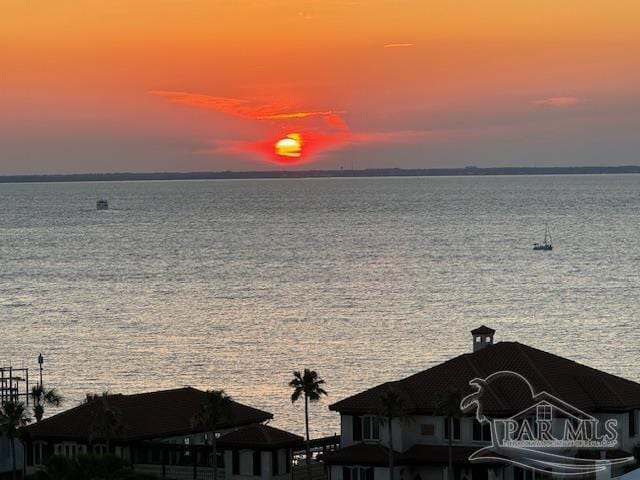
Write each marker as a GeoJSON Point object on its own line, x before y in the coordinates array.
{"type": "Point", "coordinates": [156, 433]}
{"type": "Point", "coordinates": [421, 437]}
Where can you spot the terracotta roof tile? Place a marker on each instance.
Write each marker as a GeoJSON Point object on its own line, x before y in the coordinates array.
{"type": "Point", "coordinates": [264, 436]}
{"type": "Point", "coordinates": [583, 387]}
{"type": "Point", "coordinates": [144, 416]}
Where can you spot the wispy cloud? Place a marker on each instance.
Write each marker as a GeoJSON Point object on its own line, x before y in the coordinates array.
{"type": "Point", "coordinates": [558, 101]}
{"type": "Point", "coordinates": [398, 45]}
{"type": "Point", "coordinates": [249, 109]}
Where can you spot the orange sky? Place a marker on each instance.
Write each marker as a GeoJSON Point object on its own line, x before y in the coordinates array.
{"type": "Point", "coordinates": [93, 85]}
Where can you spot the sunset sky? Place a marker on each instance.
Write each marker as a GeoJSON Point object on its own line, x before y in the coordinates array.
{"type": "Point", "coordinates": [183, 85]}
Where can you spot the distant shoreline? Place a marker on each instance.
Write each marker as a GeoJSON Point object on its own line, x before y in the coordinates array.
{"type": "Point", "coordinates": [370, 172]}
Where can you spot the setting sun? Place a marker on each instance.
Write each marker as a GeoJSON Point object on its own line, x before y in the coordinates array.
{"type": "Point", "coordinates": [289, 146]}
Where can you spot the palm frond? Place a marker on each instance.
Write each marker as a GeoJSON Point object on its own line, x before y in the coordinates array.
{"type": "Point", "coordinates": [295, 396]}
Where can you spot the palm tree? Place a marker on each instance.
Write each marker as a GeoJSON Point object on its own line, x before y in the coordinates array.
{"type": "Point", "coordinates": [448, 405]}
{"type": "Point", "coordinates": [90, 397]}
{"type": "Point", "coordinates": [107, 423]}
{"type": "Point", "coordinates": [309, 384]}
{"type": "Point", "coordinates": [215, 410]}
{"type": "Point", "coordinates": [13, 417]}
{"type": "Point", "coordinates": [391, 406]}
{"type": "Point", "coordinates": [42, 397]}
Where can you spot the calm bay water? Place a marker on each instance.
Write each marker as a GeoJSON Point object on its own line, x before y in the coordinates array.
{"type": "Point", "coordinates": [234, 284]}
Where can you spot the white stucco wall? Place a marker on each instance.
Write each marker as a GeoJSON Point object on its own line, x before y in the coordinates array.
{"type": "Point", "coordinates": [407, 433]}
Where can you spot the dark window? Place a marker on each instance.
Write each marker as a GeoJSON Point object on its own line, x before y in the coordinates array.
{"type": "Point", "coordinates": [357, 428]}
{"type": "Point", "coordinates": [456, 428]}
{"type": "Point", "coordinates": [457, 473]}
{"type": "Point", "coordinates": [257, 463]}
{"type": "Point", "coordinates": [287, 461]}
{"type": "Point", "coordinates": [522, 474]}
{"type": "Point", "coordinates": [427, 429]}
{"type": "Point", "coordinates": [274, 463]}
{"type": "Point", "coordinates": [479, 472]}
{"type": "Point", "coordinates": [235, 460]}
{"type": "Point", "coordinates": [518, 473]}
{"type": "Point", "coordinates": [371, 430]}
{"type": "Point", "coordinates": [632, 423]}
{"type": "Point", "coordinates": [481, 431]}
{"type": "Point", "coordinates": [357, 473]}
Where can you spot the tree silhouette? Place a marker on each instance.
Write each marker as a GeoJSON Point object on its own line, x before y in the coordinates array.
{"type": "Point", "coordinates": [308, 384]}
{"type": "Point", "coordinates": [107, 424]}
{"type": "Point", "coordinates": [13, 417]}
{"type": "Point", "coordinates": [215, 410]}
{"type": "Point", "coordinates": [448, 405]}
{"type": "Point", "coordinates": [42, 398]}
{"type": "Point", "coordinates": [391, 406]}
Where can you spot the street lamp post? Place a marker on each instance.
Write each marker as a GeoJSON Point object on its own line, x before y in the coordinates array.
{"type": "Point", "coordinates": [40, 362]}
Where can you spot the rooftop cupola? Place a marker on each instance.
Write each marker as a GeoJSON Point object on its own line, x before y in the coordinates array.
{"type": "Point", "coordinates": [482, 337]}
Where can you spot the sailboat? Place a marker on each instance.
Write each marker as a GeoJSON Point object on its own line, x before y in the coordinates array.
{"type": "Point", "coordinates": [547, 243]}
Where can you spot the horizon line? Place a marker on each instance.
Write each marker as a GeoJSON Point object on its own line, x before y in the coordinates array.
{"type": "Point", "coordinates": [317, 173]}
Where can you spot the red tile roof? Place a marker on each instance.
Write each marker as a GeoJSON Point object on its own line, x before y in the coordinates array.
{"type": "Point", "coordinates": [377, 455]}
{"type": "Point", "coordinates": [583, 387]}
{"type": "Point", "coordinates": [144, 416]}
{"type": "Point", "coordinates": [259, 436]}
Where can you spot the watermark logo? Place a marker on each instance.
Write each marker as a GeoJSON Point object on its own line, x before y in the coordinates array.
{"type": "Point", "coordinates": [547, 435]}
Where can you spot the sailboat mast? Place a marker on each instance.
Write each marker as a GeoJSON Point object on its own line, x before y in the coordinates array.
{"type": "Point", "coordinates": [547, 234]}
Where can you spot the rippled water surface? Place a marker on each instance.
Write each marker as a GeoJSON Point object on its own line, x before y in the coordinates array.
{"type": "Point", "coordinates": [233, 284]}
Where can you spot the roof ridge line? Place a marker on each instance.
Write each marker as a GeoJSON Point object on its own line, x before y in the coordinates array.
{"type": "Point", "coordinates": [155, 392]}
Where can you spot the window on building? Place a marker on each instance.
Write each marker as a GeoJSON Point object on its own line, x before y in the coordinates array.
{"type": "Point", "coordinates": [99, 449]}
{"type": "Point", "coordinates": [456, 428]}
{"type": "Point", "coordinates": [370, 428]}
{"type": "Point", "coordinates": [287, 461]}
{"type": "Point", "coordinates": [71, 451]}
{"type": "Point", "coordinates": [257, 463]}
{"type": "Point", "coordinates": [38, 454]}
{"type": "Point", "coordinates": [632, 423]}
{"type": "Point", "coordinates": [219, 459]}
{"type": "Point", "coordinates": [357, 473]}
{"type": "Point", "coordinates": [481, 431]}
{"type": "Point", "coordinates": [544, 412]}
{"type": "Point", "coordinates": [235, 460]}
{"type": "Point", "coordinates": [427, 429]}
{"type": "Point", "coordinates": [522, 474]}
{"type": "Point", "coordinates": [357, 428]}
{"type": "Point", "coordinates": [274, 463]}
{"type": "Point", "coordinates": [156, 455]}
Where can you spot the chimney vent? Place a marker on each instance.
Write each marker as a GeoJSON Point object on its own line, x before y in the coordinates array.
{"type": "Point", "coordinates": [482, 337]}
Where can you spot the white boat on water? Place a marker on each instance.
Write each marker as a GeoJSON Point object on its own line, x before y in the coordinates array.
{"type": "Point", "coordinates": [102, 204]}
{"type": "Point", "coordinates": [547, 243]}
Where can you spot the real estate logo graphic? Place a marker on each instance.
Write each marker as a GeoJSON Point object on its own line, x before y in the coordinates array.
{"type": "Point", "coordinates": [547, 435]}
